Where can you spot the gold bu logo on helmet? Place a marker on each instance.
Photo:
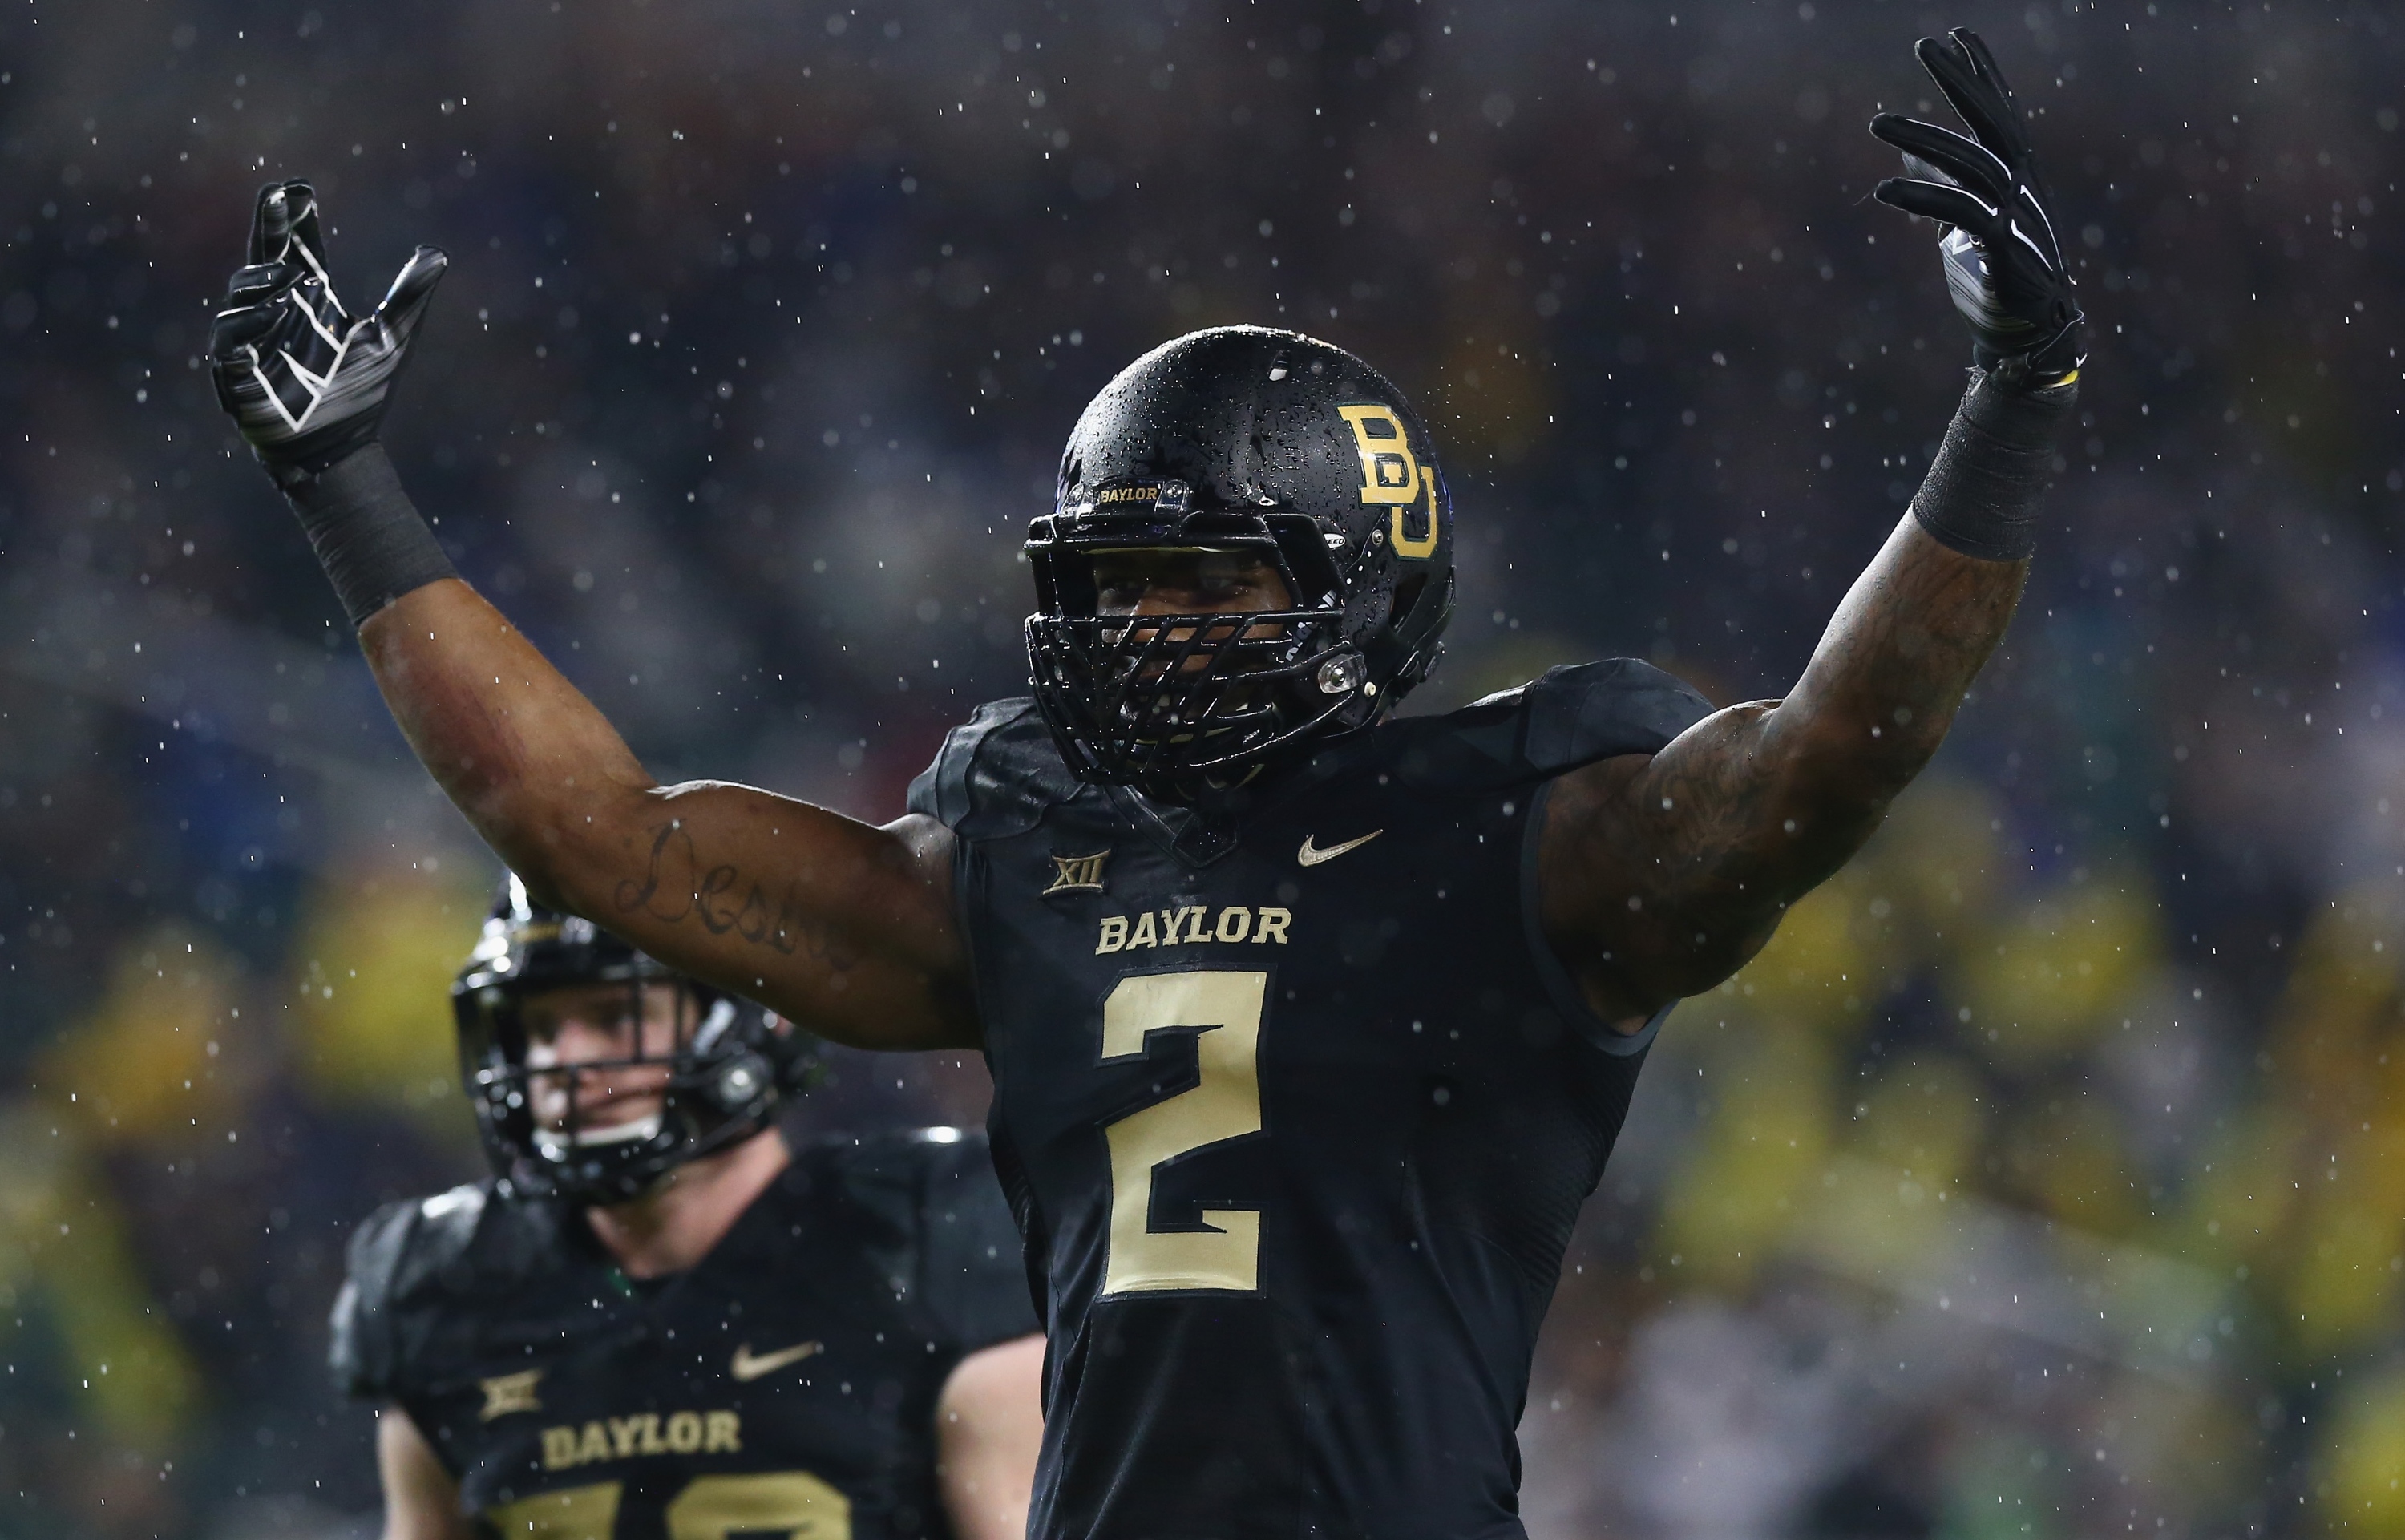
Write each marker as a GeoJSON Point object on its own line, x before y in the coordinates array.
{"type": "Point", "coordinates": [1392, 475]}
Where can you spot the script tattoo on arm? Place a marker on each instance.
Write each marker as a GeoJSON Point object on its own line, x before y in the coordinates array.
{"type": "Point", "coordinates": [843, 926]}
{"type": "Point", "coordinates": [1660, 876]}
{"type": "Point", "coordinates": [822, 929]}
{"type": "Point", "coordinates": [677, 886]}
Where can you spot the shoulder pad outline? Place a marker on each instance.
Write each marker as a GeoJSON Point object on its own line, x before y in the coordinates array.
{"type": "Point", "coordinates": [1571, 716]}
{"type": "Point", "coordinates": [895, 1165]}
{"type": "Point", "coordinates": [956, 1259]}
{"type": "Point", "coordinates": [1577, 713]}
{"type": "Point", "coordinates": [412, 1257]}
{"type": "Point", "coordinates": [388, 1257]}
{"type": "Point", "coordinates": [359, 1338]}
{"type": "Point", "coordinates": [881, 1178]}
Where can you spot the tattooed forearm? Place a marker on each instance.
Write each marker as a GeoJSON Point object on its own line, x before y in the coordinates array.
{"type": "Point", "coordinates": [1874, 703]}
{"type": "Point", "coordinates": [1666, 874]}
{"type": "Point", "coordinates": [677, 885]}
{"type": "Point", "coordinates": [817, 916]}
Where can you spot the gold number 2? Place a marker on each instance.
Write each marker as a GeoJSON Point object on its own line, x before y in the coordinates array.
{"type": "Point", "coordinates": [792, 1504]}
{"type": "Point", "coordinates": [1227, 1007]}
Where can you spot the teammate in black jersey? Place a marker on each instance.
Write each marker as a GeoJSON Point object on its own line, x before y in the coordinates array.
{"type": "Point", "coordinates": [1311, 1027]}
{"type": "Point", "coordinates": [660, 1322]}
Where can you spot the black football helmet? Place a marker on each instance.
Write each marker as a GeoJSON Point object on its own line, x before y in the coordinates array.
{"type": "Point", "coordinates": [731, 1063]}
{"type": "Point", "coordinates": [1239, 438]}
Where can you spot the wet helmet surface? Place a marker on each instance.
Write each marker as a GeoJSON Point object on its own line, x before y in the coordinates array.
{"type": "Point", "coordinates": [1257, 441]}
{"type": "Point", "coordinates": [729, 1065]}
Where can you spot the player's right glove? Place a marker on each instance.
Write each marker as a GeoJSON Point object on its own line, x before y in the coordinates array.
{"type": "Point", "coordinates": [2003, 265]}
{"type": "Point", "coordinates": [304, 379]}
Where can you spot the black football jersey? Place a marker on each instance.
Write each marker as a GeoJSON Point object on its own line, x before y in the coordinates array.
{"type": "Point", "coordinates": [785, 1385]}
{"type": "Point", "coordinates": [1295, 1108]}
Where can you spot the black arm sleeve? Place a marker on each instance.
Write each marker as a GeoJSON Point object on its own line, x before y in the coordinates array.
{"type": "Point", "coordinates": [368, 535]}
{"type": "Point", "coordinates": [1982, 492]}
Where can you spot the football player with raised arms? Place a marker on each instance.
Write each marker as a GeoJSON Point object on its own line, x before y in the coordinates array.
{"type": "Point", "coordinates": [662, 1321]}
{"type": "Point", "coordinates": [1311, 1027]}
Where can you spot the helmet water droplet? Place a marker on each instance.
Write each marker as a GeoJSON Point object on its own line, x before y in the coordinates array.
{"type": "Point", "coordinates": [1277, 370]}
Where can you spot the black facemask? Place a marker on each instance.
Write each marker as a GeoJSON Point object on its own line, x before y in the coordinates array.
{"type": "Point", "coordinates": [1246, 440]}
{"type": "Point", "coordinates": [729, 1063]}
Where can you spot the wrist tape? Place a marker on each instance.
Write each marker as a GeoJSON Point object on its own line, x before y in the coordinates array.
{"type": "Point", "coordinates": [368, 536]}
{"type": "Point", "coordinates": [1982, 492]}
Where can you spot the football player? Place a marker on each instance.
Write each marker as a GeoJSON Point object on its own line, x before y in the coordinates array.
{"type": "Point", "coordinates": [660, 1322]}
{"type": "Point", "coordinates": [1311, 1027]}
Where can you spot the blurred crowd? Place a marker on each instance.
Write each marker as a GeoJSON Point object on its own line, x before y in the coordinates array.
{"type": "Point", "coordinates": [2047, 1176]}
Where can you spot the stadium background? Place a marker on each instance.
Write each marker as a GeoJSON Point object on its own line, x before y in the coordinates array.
{"type": "Point", "coordinates": [2047, 1177]}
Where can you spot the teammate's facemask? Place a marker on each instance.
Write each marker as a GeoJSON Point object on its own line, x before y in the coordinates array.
{"type": "Point", "coordinates": [1267, 453]}
{"type": "Point", "coordinates": [703, 1069]}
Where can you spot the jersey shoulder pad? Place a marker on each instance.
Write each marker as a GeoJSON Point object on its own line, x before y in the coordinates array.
{"type": "Point", "coordinates": [411, 1260]}
{"type": "Point", "coordinates": [995, 774]}
{"type": "Point", "coordinates": [1569, 716]}
{"type": "Point", "coordinates": [888, 1175]}
{"type": "Point", "coordinates": [943, 1233]}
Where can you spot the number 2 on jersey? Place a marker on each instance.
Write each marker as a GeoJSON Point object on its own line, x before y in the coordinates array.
{"type": "Point", "coordinates": [1226, 1007]}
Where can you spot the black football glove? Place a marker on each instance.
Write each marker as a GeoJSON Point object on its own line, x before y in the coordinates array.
{"type": "Point", "coordinates": [304, 380]}
{"type": "Point", "coordinates": [2004, 264]}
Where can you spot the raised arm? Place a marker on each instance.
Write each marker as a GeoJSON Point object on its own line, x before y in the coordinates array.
{"type": "Point", "coordinates": [1660, 876]}
{"type": "Point", "coordinates": [836, 923]}
{"type": "Point", "coordinates": [842, 925]}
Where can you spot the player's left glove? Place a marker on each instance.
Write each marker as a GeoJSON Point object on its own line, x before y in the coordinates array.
{"type": "Point", "coordinates": [2004, 264]}
{"type": "Point", "coordinates": [304, 379]}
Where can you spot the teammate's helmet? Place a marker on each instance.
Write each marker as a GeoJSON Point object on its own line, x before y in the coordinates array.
{"type": "Point", "coordinates": [1243, 439]}
{"type": "Point", "coordinates": [730, 1064]}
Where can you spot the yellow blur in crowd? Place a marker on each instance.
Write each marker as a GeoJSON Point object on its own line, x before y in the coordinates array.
{"type": "Point", "coordinates": [2281, 1241]}
{"type": "Point", "coordinates": [169, 1067]}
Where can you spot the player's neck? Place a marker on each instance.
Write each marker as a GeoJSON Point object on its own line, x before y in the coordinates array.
{"type": "Point", "coordinates": [674, 1225]}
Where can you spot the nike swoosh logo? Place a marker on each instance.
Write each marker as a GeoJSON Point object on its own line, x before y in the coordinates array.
{"type": "Point", "coordinates": [1311, 855]}
{"type": "Point", "coordinates": [747, 1367]}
